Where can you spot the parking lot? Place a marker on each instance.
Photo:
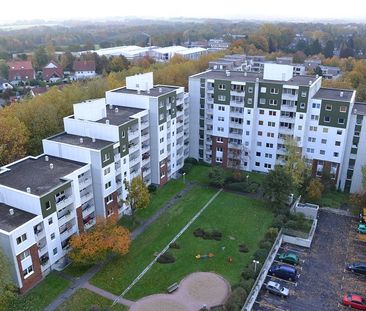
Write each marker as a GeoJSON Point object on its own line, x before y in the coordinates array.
{"type": "Point", "coordinates": [322, 276]}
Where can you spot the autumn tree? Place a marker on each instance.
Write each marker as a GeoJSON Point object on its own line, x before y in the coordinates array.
{"type": "Point", "coordinates": [40, 58]}
{"type": "Point", "coordinates": [7, 289]}
{"type": "Point", "coordinates": [13, 139]}
{"type": "Point", "coordinates": [295, 164]}
{"type": "Point", "coordinates": [4, 69]}
{"type": "Point", "coordinates": [314, 191]}
{"type": "Point", "coordinates": [359, 198]}
{"type": "Point", "coordinates": [95, 245]}
{"type": "Point", "coordinates": [138, 195]}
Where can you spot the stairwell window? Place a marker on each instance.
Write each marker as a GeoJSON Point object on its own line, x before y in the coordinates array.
{"type": "Point", "coordinates": [221, 98]}
{"type": "Point", "coordinates": [28, 271]}
{"type": "Point", "coordinates": [21, 238]}
{"type": "Point", "coordinates": [222, 87]}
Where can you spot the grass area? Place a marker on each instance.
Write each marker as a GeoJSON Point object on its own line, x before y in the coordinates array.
{"type": "Point", "coordinates": [334, 199]}
{"type": "Point", "coordinates": [245, 221]}
{"type": "Point", "coordinates": [77, 270]}
{"type": "Point", "coordinates": [42, 295]}
{"type": "Point", "coordinates": [118, 274]}
{"type": "Point", "coordinates": [157, 200]}
{"type": "Point", "coordinates": [84, 300]}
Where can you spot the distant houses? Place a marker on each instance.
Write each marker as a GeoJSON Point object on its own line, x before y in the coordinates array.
{"type": "Point", "coordinates": [20, 71]}
{"type": "Point", "coordinates": [52, 72]}
{"type": "Point", "coordinates": [84, 69]}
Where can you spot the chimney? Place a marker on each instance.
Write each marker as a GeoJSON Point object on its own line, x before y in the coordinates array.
{"type": "Point", "coordinates": [46, 158]}
{"type": "Point", "coordinates": [110, 106]}
{"type": "Point", "coordinates": [81, 140]}
{"type": "Point", "coordinates": [245, 73]}
{"type": "Point", "coordinates": [227, 73]}
{"type": "Point", "coordinates": [256, 79]}
{"type": "Point", "coordinates": [51, 166]}
{"type": "Point", "coordinates": [148, 91]}
{"type": "Point", "coordinates": [341, 94]}
{"type": "Point", "coordinates": [115, 110]}
{"type": "Point", "coordinates": [138, 91]}
{"type": "Point", "coordinates": [11, 211]}
{"type": "Point", "coordinates": [107, 121]}
{"type": "Point", "coordinates": [160, 90]}
{"type": "Point", "coordinates": [28, 190]}
{"type": "Point", "coordinates": [93, 139]}
{"type": "Point", "coordinates": [317, 76]}
{"type": "Point", "coordinates": [310, 82]}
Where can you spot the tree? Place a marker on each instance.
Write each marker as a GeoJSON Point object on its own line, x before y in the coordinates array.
{"type": "Point", "coordinates": [299, 57]}
{"type": "Point", "coordinates": [7, 289]}
{"type": "Point", "coordinates": [295, 164]}
{"type": "Point", "coordinates": [314, 190]}
{"type": "Point", "coordinates": [67, 60]}
{"type": "Point", "coordinates": [318, 71]}
{"type": "Point", "coordinates": [217, 176]}
{"type": "Point", "coordinates": [4, 69]}
{"type": "Point", "coordinates": [315, 47]}
{"type": "Point", "coordinates": [277, 186]}
{"type": "Point", "coordinates": [117, 63]}
{"type": "Point", "coordinates": [303, 46]}
{"type": "Point", "coordinates": [138, 195]}
{"type": "Point", "coordinates": [328, 49]}
{"type": "Point", "coordinates": [94, 246]}
{"type": "Point", "coordinates": [13, 139]}
{"type": "Point", "coordinates": [40, 58]}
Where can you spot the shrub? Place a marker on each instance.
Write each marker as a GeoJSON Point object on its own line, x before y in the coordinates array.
{"type": "Point", "coordinates": [198, 232]}
{"type": "Point", "coordinates": [248, 273]}
{"type": "Point", "coordinates": [247, 284]}
{"type": "Point", "coordinates": [265, 244]}
{"type": "Point", "coordinates": [216, 235]}
{"type": "Point", "coordinates": [186, 168]}
{"type": "Point", "coordinates": [243, 248]}
{"type": "Point", "coordinates": [236, 299]}
{"type": "Point", "coordinates": [192, 161]}
{"type": "Point", "coordinates": [261, 255]}
{"type": "Point", "coordinates": [152, 188]}
{"type": "Point", "coordinates": [217, 176]}
{"type": "Point", "coordinates": [174, 245]}
{"type": "Point", "coordinates": [271, 234]}
{"type": "Point", "coordinates": [166, 258]}
{"type": "Point", "coordinates": [279, 221]}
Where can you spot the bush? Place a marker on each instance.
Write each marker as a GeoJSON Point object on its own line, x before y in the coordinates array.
{"type": "Point", "coordinates": [166, 258]}
{"type": "Point", "coordinates": [248, 273]}
{"type": "Point", "coordinates": [265, 244]}
{"type": "Point", "coordinates": [207, 235]}
{"type": "Point", "coordinates": [261, 255]}
{"type": "Point", "coordinates": [247, 284]}
{"type": "Point", "coordinates": [243, 248]}
{"type": "Point", "coordinates": [236, 299]}
{"type": "Point", "coordinates": [279, 221]}
{"type": "Point", "coordinates": [271, 234]}
{"type": "Point", "coordinates": [216, 235]}
{"type": "Point", "coordinates": [198, 232]}
{"type": "Point", "coordinates": [174, 245]}
{"type": "Point", "coordinates": [152, 188]}
{"type": "Point", "coordinates": [186, 168]}
{"type": "Point", "coordinates": [192, 161]}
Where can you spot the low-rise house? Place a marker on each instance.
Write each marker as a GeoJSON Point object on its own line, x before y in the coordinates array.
{"type": "Point", "coordinates": [21, 71]}
{"type": "Point", "coordinates": [52, 72]}
{"type": "Point", "coordinates": [4, 85]}
{"type": "Point", "coordinates": [84, 69]}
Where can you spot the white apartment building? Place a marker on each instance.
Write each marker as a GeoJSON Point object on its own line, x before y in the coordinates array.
{"type": "Point", "coordinates": [241, 119]}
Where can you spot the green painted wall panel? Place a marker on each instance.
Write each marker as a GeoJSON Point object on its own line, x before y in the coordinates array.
{"type": "Point", "coordinates": [51, 198]}
{"type": "Point", "coordinates": [334, 114]}
{"type": "Point", "coordinates": [218, 92]}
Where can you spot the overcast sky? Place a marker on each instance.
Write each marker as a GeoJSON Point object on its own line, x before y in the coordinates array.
{"type": "Point", "coordinates": [291, 10]}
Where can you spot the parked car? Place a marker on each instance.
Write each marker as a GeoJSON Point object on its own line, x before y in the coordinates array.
{"type": "Point", "coordinates": [283, 272]}
{"type": "Point", "coordinates": [361, 228]}
{"type": "Point", "coordinates": [277, 289]}
{"type": "Point", "coordinates": [354, 301]}
{"type": "Point", "coordinates": [357, 267]}
{"type": "Point", "coordinates": [289, 257]}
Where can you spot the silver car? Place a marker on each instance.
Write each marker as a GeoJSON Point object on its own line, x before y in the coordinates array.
{"type": "Point", "coordinates": [277, 289]}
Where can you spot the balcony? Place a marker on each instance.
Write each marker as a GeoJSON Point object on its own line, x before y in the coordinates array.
{"type": "Point", "coordinates": [289, 96]}
{"type": "Point", "coordinates": [236, 125]}
{"type": "Point", "coordinates": [134, 161]}
{"type": "Point", "coordinates": [42, 246]}
{"type": "Point", "coordinates": [89, 222]}
{"type": "Point", "coordinates": [236, 135]}
{"type": "Point", "coordinates": [63, 202]}
{"type": "Point", "coordinates": [86, 196]}
{"type": "Point", "coordinates": [65, 216]}
{"type": "Point", "coordinates": [68, 231]}
{"type": "Point", "coordinates": [145, 136]}
{"type": "Point", "coordinates": [145, 147]}
{"type": "Point", "coordinates": [39, 231]}
{"type": "Point", "coordinates": [87, 209]}
{"type": "Point", "coordinates": [132, 134]}
{"type": "Point", "coordinates": [237, 103]}
{"type": "Point", "coordinates": [83, 183]}
{"type": "Point", "coordinates": [146, 171]}
{"type": "Point", "coordinates": [44, 260]}
{"type": "Point", "coordinates": [134, 173]}
{"type": "Point", "coordinates": [180, 134]}
{"type": "Point", "coordinates": [144, 124]}
{"type": "Point", "coordinates": [118, 182]}
{"type": "Point", "coordinates": [285, 130]}
{"type": "Point", "coordinates": [288, 119]}
{"type": "Point", "coordinates": [288, 107]}
{"type": "Point", "coordinates": [117, 166]}
{"type": "Point", "coordinates": [132, 148]}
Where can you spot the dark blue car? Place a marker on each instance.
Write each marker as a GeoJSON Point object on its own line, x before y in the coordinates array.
{"type": "Point", "coordinates": [284, 272]}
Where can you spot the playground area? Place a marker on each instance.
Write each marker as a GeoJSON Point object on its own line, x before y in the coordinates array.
{"type": "Point", "coordinates": [195, 291]}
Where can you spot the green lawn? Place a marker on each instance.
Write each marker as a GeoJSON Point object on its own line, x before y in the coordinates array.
{"type": "Point", "coordinates": [334, 199]}
{"type": "Point", "coordinates": [77, 270]}
{"type": "Point", "coordinates": [42, 295]}
{"type": "Point", "coordinates": [157, 200]}
{"type": "Point", "coordinates": [84, 300]}
{"type": "Point", "coordinates": [241, 220]}
{"type": "Point", "coordinates": [118, 274]}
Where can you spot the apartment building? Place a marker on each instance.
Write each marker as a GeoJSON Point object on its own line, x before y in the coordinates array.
{"type": "Point", "coordinates": [241, 119]}
{"type": "Point", "coordinates": [45, 200]}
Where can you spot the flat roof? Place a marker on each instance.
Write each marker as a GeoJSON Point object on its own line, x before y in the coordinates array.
{"type": "Point", "coordinates": [37, 174]}
{"type": "Point", "coordinates": [170, 49]}
{"type": "Point", "coordinates": [10, 222]}
{"type": "Point", "coordinates": [70, 139]}
{"type": "Point", "coordinates": [155, 91]}
{"type": "Point", "coordinates": [191, 51]}
{"type": "Point", "coordinates": [359, 108]}
{"type": "Point", "coordinates": [121, 116]}
{"type": "Point", "coordinates": [334, 94]}
{"type": "Point", "coordinates": [239, 76]}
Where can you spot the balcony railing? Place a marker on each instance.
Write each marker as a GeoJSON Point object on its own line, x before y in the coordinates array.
{"type": "Point", "coordinates": [63, 202]}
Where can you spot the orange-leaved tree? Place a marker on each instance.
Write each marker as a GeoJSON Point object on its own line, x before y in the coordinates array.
{"type": "Point", "coordinates": [106, 238]}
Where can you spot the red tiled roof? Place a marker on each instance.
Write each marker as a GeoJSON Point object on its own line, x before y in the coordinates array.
{"type": "Point", "coordinates": [21, 70]}
{"type": "Point", "coordinates": [84, 65]}
{"type": "Point", "coordinates": [20, 65]}
{"type": "Point", "coordinates": [48, 73]}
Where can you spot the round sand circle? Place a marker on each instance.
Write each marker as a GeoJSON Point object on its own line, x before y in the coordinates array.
{"type": "Point", "coordinates": [159, 303]}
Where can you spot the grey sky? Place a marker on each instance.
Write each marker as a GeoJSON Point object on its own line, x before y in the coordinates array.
{"type": "Point", "coordinates": [259, 9]}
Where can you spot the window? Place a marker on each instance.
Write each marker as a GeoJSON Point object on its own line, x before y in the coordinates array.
{"type": "Point", "coordinates": [258, 154]}
{"type": "Point", "coordinates": [311, 139]}
{"type": "Point", "coordinates": [273, 124]}
{"type": "Point", "coordinates": [28, 271]}
{"type": "Point", "coordinates": [343, 109]}
{"type": "Point", "coordinates": [107, 185]}
{"type": "Point", "coordinates": [261, 111]}
{"type": "Point", "coordinates": [257, 164]}
{"type": "Point", "coordinates": [262, 101]}
{"type": "Point", "coordinates": [301, 116]}
{"type": "Point", "coordinates": [340, 120]}
{"type": "Point", "coordinates": [161, 140]}
{"type": "Point", "coordinates": [53, 236]}
{"type": "Point", "coordinates": [327, 119]}
{"type": "Point", "coordinates": [302, 105]}
{"type": "Point", "coordinates": [325, 130]}
{"type": "Point", "coordinates": [328, 107]}
{"type": "Point", "coordinates": [269, 134]}
{"type": "Point", "coordinates": [50, 221]}
{"type": "Point", "coordinates": [304, 94]}
{"type": "Point", "coordinates": [314, 117]}
{"type": "Point", "coordinates": [322, 152]}
{"type": "Point", "coordinates": [310, 150]}
{"type": "Point", "coordinates": [221, 108]}
{"type": "Point", "coordinates": [259, 143]}
{"type": "Point", "coordinates": [268, 145]}
{"type": "Point", "coordinates": [123, 134]}
{"type": "Point", "coordinates": [108, 199]}
{"type": "Point", "coordinates": [260, 133]}
{"type": "Point", "coordinates": [219, 149]}
{"type": "Point", "coordinates": [335, 154]}
{"type": "Point", "coordinates": [247, 133]}
{"type": "Point", "coordinates": [313, 128]}
{"type": "Point", "coordinates": [260, 122]}
{"type": "Point", "coordinates": [299, 127]}
{"type": "Point", "coordinates": [124, 161]}
{"type": "Point", "coordinates": [316, 105]}
{"type": "Point", "coordinates": [24, 255]}
{"type": "Point", "coordinates": [339, 132]}
{"type": "Point", "coordinates": [220, 140]}
{"type": "Point", "coordinates": [107, 171]}
{"type": "Point", "coordinates": [267, 165]}
{"type": "Point", "coordinates": [248, 122]}
{"type": "Point", "coordinates": [263, 89]}
{"type": "Point", "coordinates": [324, 141]}
{"type": "Point", "coordinates": [273, 102]}
{"type": "Point", "coordinates": [107, 156]}
{"type": "Point", "coordinates": [124, 148]}
{"type": "Point", "coordinates": [250, 89]}
{"type": "Point", "coordinates": [21, 238]}
{"type": "Point", "coordinates": [219, 159]}
{"type": "Point", "coordinates": [161, 151]}
{"type": "Point", "coordinates": [161, 128]}
{"type": "Point", "coordinates": [221, 118]}
{"type": "Point", "coordinates": [250, 101]}
{"type": "Point", "coordinates": [222, 87]}
{"type": "Point", "coordinates": [161, 117]}
{"type": "Point", "coordinates": [357, 134]}
{"type": "Point", "coordinates": [221, 98]}
{"type": "Point", "coordinates": [249, 111]}
{"type": "Point", "coordinates": [272, 113]}
{"type": "Point", "coordinates": [48, 205]}
{"type": "Point", "coordinates": [161, 104]}
{"type": "Point", "coordinates": [55, 251]}
{"type": "Point", "coordinates": [338, 143]}
{"type": "Point", "coordinates": [274, 91]}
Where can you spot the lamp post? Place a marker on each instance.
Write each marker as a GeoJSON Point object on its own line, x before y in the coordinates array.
{"type": "Point", "coordinates": [184, 178]}
{"type": "Point", "coordinates": [256, 262]}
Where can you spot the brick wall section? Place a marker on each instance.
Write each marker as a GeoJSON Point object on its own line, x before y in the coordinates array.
{"type": "Point", "coordinates": [163, 165]}
{"type": "Point", "coordinates": [79, 217]}
{"type": "Point", "coordinates": [112, 207]}
{"type": "Point", "coordinates": [224, 146]}
{"type": "Point", "coordinates": [326, 168]}
{"type": "Point", "coordinates": [34, 278]}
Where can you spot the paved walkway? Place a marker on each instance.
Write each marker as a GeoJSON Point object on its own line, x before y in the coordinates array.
{"type": "Point", "coordinates": [337, 211]}
{"type": "Point", "coordinates": [83, 281]}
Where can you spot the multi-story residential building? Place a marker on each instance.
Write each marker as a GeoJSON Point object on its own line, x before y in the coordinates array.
{"type": "Point", "coordinates": [242, 118]}
{"type": "Point", "coordinates": [137, 130]}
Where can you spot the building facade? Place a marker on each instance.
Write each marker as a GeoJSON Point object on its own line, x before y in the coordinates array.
{"type": "Point", "coordinates": [241, 119]}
